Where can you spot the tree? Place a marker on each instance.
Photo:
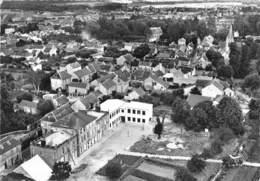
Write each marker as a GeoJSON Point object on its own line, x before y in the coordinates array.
{"type": "Point", "coordinates": [258, 66]}
{"type": "Point", "coordinates": [183, 174]}
{"type": "Point", "coordinates": [61, 171]}
{"type": "Point", "coordinates": [252, 82]}
{"type": "Point", "coordinates": [215, 57]}
{"type": "Point", "coordinates": [216, 147]}
{"type": "Point", "coordinates": [35, 79]}
{"type": "Point", "coordinates": [25, 96]}
{"type": "Point", "coordinates": [180, 110]}
{"type": "Point", "coordinates": [158, 129]}
{"type": "Point", "coordinates": [229, 115]}
{"type": "Point", "coordinates": [45, 107]}
{"type": "Point", "coordinates": [196, 164]}
{"type": "Point", "coordinates": [113, 170]}
{"type": "Point", "coordinates": [141, 51]}
{"type": "Point", "coordinates": [211, 111]}
{"type": "Point", "coordinates": [225, 71]}
{"type": "Point", "coordinates": [195, 90]}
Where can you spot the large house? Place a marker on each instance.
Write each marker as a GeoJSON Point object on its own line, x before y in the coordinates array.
{"type": "Point", "coordinates": [28, 107]}
{"type": "Point", "coordinates": [131, 112]}
{"type": "Point", "coordinates": [78, 89]}
{"type": "Point", "coordinates": [155, 83]}
{"type": "Point", "coordinates": [60, 80]}
{"type": "Point", "coordinates": [10, 152]}
{"type": "Point", "coordinates": [57, 146]}
{"type": "Point", "coordinates": [90, 126]}
{"type": "Point", "coordinates": [107, 87]}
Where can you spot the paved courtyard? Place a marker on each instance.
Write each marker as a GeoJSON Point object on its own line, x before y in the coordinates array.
{"type": "Point", "coordinates": [118, 141]}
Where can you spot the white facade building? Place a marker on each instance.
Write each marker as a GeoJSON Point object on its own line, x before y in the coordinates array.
{"type": "Point", "coordinates": [130, 112]}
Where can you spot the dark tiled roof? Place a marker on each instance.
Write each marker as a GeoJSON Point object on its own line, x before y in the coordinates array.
{"type": "Point", "coordinates": [76, 120]}
{"type": "Point", "coordinates": [194, 99]}
{"type": "Point", "coordinates": [64, 75]}
{"type": "Point", "coordinates": [8, 143]}
{"type": "Point", "coordinates": [78, 85]}
{"type": "Point", "coordinates": [123, 75]}
{"type": "Point", "coordinates": [140, 91]}
{"type": "Point", "coordinates": [141, 74]}
{"type": "Point", "coordinates": [82, 72]}
{"type": "Point", "coordinates": [160, 81]}
{"type": "Point", "coordinates": [186, 69]}
{"type": "Point", "coordinates": [202, 82]}
{"type": "Point", "coordinates": [25, 103]}
{"type": "Point", "coordinates": [62, 100]}
{"type": "Point", "coordinates": [108, 83]}
{"type": "Point", "coordinates": [58, 113]}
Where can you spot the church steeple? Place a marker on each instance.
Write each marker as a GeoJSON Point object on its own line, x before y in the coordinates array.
{"type": "Point", "coordinates": [230, 37]}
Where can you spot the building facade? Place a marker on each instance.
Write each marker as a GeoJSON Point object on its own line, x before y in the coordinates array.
{"type": "Point", "coordinates": [10, 152]}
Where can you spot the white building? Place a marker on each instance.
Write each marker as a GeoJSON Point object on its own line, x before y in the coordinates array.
{"type": "Point", "coordinates": [131, 112]}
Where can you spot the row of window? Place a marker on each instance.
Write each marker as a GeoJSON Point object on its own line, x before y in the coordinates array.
{"type": "Point", "coordinates": [134, 111]}
{"type": "Point", "coordinates": [136, 120]}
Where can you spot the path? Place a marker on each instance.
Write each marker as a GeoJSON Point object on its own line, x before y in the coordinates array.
{"type": "Point", "coordinates": [185, 158]}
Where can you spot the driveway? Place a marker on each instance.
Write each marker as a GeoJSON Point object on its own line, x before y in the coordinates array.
{"type": "Point", "coordinates": [118, 141]}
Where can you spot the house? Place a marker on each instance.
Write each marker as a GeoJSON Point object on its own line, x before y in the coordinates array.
{"type": "Point", "coordinates": [54, 116]}
{"type": "Point", "coordinates": [81, 104]}
{"type": "Point", "coordinates": [135, 94]}
{"type": "Point", "coordinates": [140, 75]}
{"type": "Point", "coordinates": [130, 112]}
{"type": "Point", "coordinates": [78, 89]}
{"type": "Point", "coordinates": [57, 146]}
{"type": "Point", "coordinates": [35, 169]}
{"type": "Point", "coordinates": [28, 107]}
{"type": "Point", "coordinates": [82, 75]}
{"type": "Point", "coordinates": [153, 82]}
{"type": "Point", "coordinates": [124, 58]}
{"type": "Point", "coordinates": [60, 80]}
{"type": "Point", "coordinates": [155, 34]}
{"type": "Point", "coordinates": [151, 169]}
{"type": "Point", "coordinates": [213, 89]}
{"type": "Point", "coordinates": [10, 152]}
{"type": "Point", "coordinates": [122, 80]}
{"type": "Point", "coordinates": [90, 127]}
{"type": "Point", "coordinates": [107, 87]}
{"type": "Point", "coordinates": [194, 99]}
{"type": "Point", "coordinates": [59, 101]}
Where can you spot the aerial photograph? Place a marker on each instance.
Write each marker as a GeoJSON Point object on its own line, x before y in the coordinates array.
{"type": "Point", "coordinates": [130, 90]}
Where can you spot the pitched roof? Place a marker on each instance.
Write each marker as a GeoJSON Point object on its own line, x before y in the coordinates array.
{"type": "Point", "coordinates": [186, 69]}
{"type": "Point", "coordinates": [129, 57]}
{"type": "Point", "coordinates": [93, 67]}
{"type": "Point", "coordinates": [62, 100]}
{"type": "Point", "coordinates": [74, 65]}
{"type": "Point", "coordinates": [35, 168]}
{"type": "Point", "coordinates": [64, 75]}
{"type": "Point", "coordinates": [76, 120]}
{"type": "Point", "coordinates": [25, 103]}
{"type": "Point", "coordinates": [8, 143]}
{"type": "Point", "coordinates": [78, 85]}
{"type": "Point", "coordinates": [194, 99]}
{"type": "Point", "coordinates": [123, 75]}
{"type": "Point", "coordinates": [139, 91]}
{"type": "Point", "coordinates": [82, 72]}
{"type": "Point", "coordinates": [141, 74]}
{"type": "Point", "coordinates": [58, 113]}
{"type": "Point", "coordinates": [160, 81]}
{"type": "Point", "coordinates": [92, 98]}
{"type": "Point", "coordinates": [202, 82]}
{"type": "Point", "coordinates": [109, 83]}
